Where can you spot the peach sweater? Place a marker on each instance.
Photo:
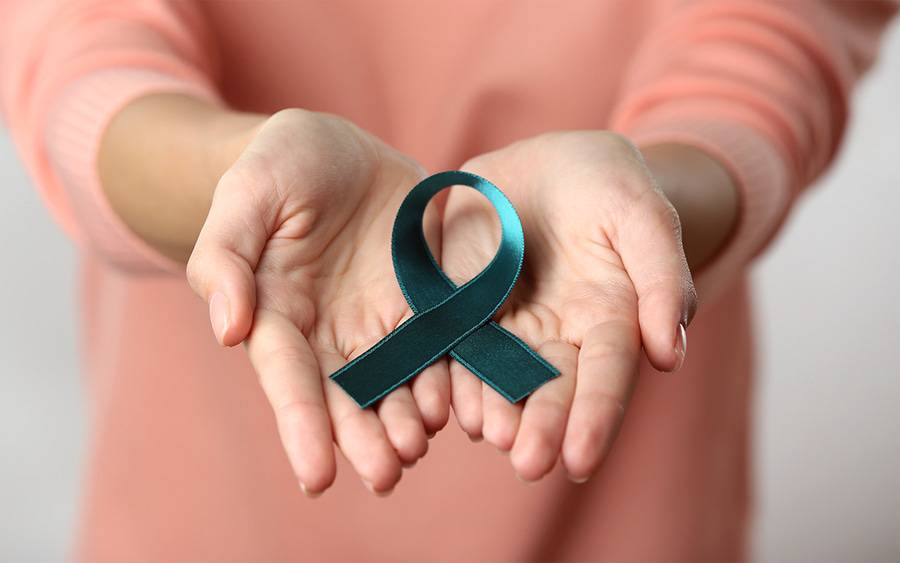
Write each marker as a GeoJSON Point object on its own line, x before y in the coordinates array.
{"type": "Point", "coordinates": [184, 461]}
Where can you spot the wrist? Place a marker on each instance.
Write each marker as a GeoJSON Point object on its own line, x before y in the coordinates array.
{"type": "Point", "coordinates": [160, 159]}
{"type": "Point", "coordinates": [702, 192]}
{"type": "Point", "coordinates": [223, 136]}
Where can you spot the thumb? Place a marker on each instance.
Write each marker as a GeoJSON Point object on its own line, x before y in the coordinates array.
{"type": "Point", "coordinates": [652, 252]}
{"type": "Point", "coordinates": [222, 264]}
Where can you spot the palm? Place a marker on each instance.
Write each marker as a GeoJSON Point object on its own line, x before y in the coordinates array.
{"type": "Point", "coordinates": [337, 269]}
{"type": "Point", "coordinates": [569, 283]}
{"type": "Point", "coordinates": [575, 303]}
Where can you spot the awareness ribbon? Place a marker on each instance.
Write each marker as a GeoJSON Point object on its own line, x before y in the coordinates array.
{"type": "Point", "coordinates": [449, 319]}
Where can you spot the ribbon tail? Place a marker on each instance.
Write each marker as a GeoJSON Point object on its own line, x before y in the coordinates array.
{"type": "Point", "coordinates": [503, 361]}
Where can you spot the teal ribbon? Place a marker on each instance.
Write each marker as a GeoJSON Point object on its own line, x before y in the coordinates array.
{"type": "Point", "coordinates": [449, 319]}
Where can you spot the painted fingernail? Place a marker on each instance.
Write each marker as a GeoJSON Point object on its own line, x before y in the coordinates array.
{"type": "Point", "coordinates": [680, 346]}
{"type": "Point", "coordinates": [219, 316]}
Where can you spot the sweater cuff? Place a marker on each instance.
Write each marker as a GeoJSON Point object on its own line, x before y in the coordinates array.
{"type": "Point", "coordinates": [761, 175]}
{"type": "Point", "coordinates": [73, 133]}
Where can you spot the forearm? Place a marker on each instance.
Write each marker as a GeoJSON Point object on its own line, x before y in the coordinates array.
{"type": "Point", "coordinates": [159, 162]}
{"type": "Point", "coordinates": [162, 155]}
{"type": "Point", "coordinates": [702, 192]}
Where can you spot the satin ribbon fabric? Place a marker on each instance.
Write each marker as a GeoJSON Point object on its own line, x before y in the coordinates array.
{"type": "Point", "coordinates": [449, 319]}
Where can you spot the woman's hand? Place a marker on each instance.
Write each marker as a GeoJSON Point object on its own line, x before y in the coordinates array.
{"type": "Point", "coordinates": [294, 258]}
{"type": "Point", "coordinates": [604, 273]}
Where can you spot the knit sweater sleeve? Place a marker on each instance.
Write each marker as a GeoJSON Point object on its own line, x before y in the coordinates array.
{"type": "Point", "coordinates": [66, 69]}
{"type": "Point", "coordinates": [763, 87]}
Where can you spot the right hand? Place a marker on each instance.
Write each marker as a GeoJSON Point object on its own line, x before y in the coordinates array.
{"type": "Point", "coordinates": [294, 260]}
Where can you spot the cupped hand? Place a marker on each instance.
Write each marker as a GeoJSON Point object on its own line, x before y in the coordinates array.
{"type": "Point", "coordinates": [604, 275]}
{"type": "Point", "coordinates": [294, 259]}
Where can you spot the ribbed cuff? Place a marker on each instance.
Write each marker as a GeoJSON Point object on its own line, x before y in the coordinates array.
{"type": "Point", "coordinates": [73, 133]}
{"type": "Point", "coordinates": [761, 174]}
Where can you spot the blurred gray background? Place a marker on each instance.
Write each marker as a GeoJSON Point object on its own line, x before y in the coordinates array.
{"type": "Point", "coordinates": [828, 398]}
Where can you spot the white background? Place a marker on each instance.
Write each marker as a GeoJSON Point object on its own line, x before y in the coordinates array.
{"type": "Point", "coordinates": [828, 400]}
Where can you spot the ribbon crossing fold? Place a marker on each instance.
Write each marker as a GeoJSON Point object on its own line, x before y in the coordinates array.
{"type": "Point", "coordinates": [449, 319]}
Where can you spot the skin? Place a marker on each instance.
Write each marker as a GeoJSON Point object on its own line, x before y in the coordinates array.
{"type": "Point", "coordinates": [284, 223]}
{"type": "Point", "coordinates": [605, 272]}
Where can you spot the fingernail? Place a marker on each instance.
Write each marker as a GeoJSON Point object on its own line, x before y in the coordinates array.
{"type": "Point", "coordinates": [410, 465]}
{"type": "Point", "coordinates": [307, 491]}
{"type": "Point", "coordinates": [526, 481]}
{"type": "Point", "coordinates": [475, 439]}
{"type": "Point", "coordinates": [680, 346]}
{"type": "Point", "coordinates": [372, 490]}
{"type": "Point", "coordinates": [579, 480]}
{"type": "Point", "coordinates": [218, 315]}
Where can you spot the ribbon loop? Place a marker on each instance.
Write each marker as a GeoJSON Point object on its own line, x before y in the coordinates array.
{"type": "Point", "coordinates": [449, 319]}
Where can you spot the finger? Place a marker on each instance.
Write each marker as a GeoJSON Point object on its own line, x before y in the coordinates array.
{"type": "Point", "coordinates": [403, 424]}
{"type": "Point", "coordinates": [360, 434]}
{"type": "Point", "coordinates": [290, 377]}
{"type": "Point", "coordinates": [227, 251]}
{"type": "Point", "coordinates": [649, 243]}
{"type": "Point", "coordinates": [501, 419]}
{"type": "Point", "coordinates": [607, 369]}
{"type": "Point", "coordinates": [431, 391]}
{"type": "Point", "coordinates": [465, 394]}
{"type": "Point", "coordinates": [543, 425]}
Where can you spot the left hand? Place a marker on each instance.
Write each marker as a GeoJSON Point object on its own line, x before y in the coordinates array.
{"type": "Point", "coordinates": [604, 273]}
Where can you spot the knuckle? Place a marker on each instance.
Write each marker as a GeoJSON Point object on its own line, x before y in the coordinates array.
{"type": "Point", "coordinates": [354, 416]}
{"type": "Point", "coordinates": [195, 269]}
{"type": "Point", "coordinates": [285, 358]}
{"type": "Point", "coordinates": [669, 216]}
{"type": "Point", "coordinates": [651, 204]}
{"type": "Point", "coordinates": [617, 142]}
{"type": "Point", "coordinates": [429, 397]}
{"type": "Point", "coordinates": [600, 400]}
{"type": "Point", "coordinates": [476, 165]}
{"type": "Point", "coordinates": [552, 409]}
{"type": "Point", "coordinates": [293, 117]}
{"type": "Point", "coordinates": [297, 410]}
{"type": "Point", "coordinates": [248, 179]}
